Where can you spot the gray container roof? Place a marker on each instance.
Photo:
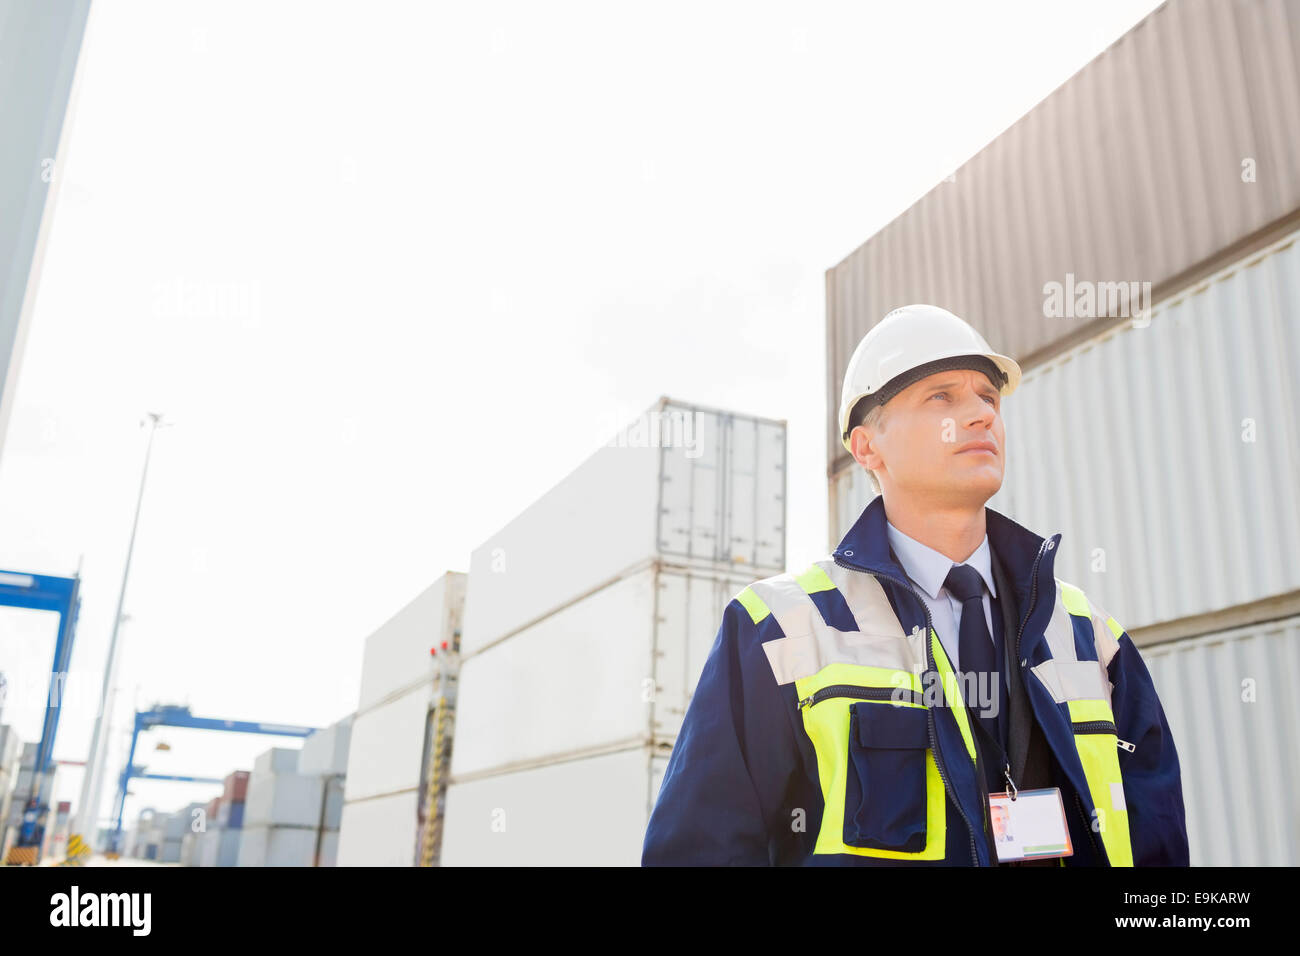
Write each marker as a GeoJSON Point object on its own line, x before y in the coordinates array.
{"type": "Point", "coordinates": [1131, 171]}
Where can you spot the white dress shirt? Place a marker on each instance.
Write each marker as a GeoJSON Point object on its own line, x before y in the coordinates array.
{"type": "Point", "coordinates": [928, 569]}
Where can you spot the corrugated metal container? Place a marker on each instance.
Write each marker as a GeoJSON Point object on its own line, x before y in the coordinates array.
{"type": "Point", "coordinates": [326, 751]}
{"type": "Point", "coordinates": [682, 483]}
{"type": "Point", "coordinates": [586, 812]}
{"type": "Point", "coordinates": [1096, 450]}
{"type": "Point", "coordinates": [236, 787]}
{"type": "Point", "coordinates": [276, 760]}
{"type": "Point", "coordinates": [169, 851]}
{"type": "Point", "coordinates": [628, 656]}
{"type": "Point", "coordinates": [1149, 185]}
{"type": "Point", "coordinates": [190, 844]}
{"type": "Point", "coordinates": [283, 799]}
{"type": "Point", "coordinates": [380, 831]}
{"type": "Point", "coordinates": [397, 655]}
{"type": "Point", "coordinates": [277, 846]}
{"type": "Point", "coordinates": [333, 802]}
{"type": "Point", "coordinates": [329, 848]}
{"type": "Point", "coordinates": [1233, 714]}
{"type": "Point", "coordinates": [231, 814]}
{"type": "Point", "coordinates": [388, 746]}
{"type": "Point", "coordinates": [181, 822]}
{"type": "Point", "coordinates": [10, 748]}
{"type": "Point", "coordinates": [219, 847]}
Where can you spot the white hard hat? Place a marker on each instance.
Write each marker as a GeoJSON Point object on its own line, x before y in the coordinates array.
{"type": "Point", "coordinates": [907, 345]}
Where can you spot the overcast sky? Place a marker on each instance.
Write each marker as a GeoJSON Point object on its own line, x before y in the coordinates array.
{"type": "Point", "coordinates": [388, 267]}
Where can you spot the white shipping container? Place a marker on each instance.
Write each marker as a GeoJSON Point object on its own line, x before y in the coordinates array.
{"type": "Point", "coordinates": [283, 799]}
{"type": "Point", "coordinates": [277, 846]}
{"type": "Point", "coordinates": [333, 802]}
{"type": "Point", "coordinates": [277, 760]}
{"type": "Point", "coordinates": [10, 748]}
{"type": "Point", "coordinates": [397, 655]}
{"type": "Point", "coordinates": [219, 847]}
{"type": "Point", "coordinates": [1232, 714]}
{"type": "Point", "coordinates": [329, 848]}
{"type": "Point", "coordinates": [387, 746]}
{"type": "Point", "coordinates": [617, 667]}
{"type": "Point", "coordinates": [169, 851]}
{"type": "Point", "coordinates": [181, 822]}
{"type": "Point", "coordinates": [1155, 446]}
{"type": "Point", "coordinates": [326, 751]}
{"type": "Point", "coordinates": [379, 832]}
{"type": "Point", "coordinates": [693, 485]}
{"type": "Point", "coordinates": [587, 812]}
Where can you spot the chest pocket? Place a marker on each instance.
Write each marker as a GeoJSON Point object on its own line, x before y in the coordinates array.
{"type": "Point", "coordinates": [885, 791]}
{"type": "Point", "coordinates": [881, 788]}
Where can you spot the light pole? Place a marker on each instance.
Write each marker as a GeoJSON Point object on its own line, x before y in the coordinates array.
{"type": "Point", "coordinates": [87, 812]}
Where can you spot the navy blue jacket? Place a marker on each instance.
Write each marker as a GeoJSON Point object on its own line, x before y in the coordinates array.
{"type": "Point", "coordinates": [741, 786]}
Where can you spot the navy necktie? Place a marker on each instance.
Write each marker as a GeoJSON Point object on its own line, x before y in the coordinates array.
{"type": "Point", "coordinates": [975, 649]}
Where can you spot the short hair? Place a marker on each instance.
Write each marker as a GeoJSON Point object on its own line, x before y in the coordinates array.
{"type": "Point", "coordinates": [873, 416]}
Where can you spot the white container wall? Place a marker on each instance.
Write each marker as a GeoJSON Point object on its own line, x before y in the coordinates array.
{"type": "Point", "coordinates": [1233, 714]}
{"type": "Point", "coordinates": [397, 655]}
{"type": "Point", "coordinates": [587, 812]}
{"type": "Point", "coordinates": [1156, 447]}
{"type": "Point", "coordinates": [277, 846]}
{"type": "Point", "coordinates": [387, 746]}
{"type": "Point", "coordinates": [682, 483]}
{"type": "Point", "coordinates": [379, 832]}
{"type": "Point", "coordinates": [276, 760]}
{"type": "Point", "coordinates": [616, 668]}
{"type": "Point", "coordinates": [283, 799]}
{"type": "Point", "coordinates": [326, 751]}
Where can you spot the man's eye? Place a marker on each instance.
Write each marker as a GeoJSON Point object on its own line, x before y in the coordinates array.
{"type": "Point", "coordinates": [937, 394]}
{"type": "Point", "coordinates": [990, 399]}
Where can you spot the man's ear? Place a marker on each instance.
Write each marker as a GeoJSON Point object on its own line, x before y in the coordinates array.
{"type": "Point", "coordinates": [864, 452]}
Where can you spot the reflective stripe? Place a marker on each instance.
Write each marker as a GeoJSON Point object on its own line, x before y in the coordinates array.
{"type": "Point", "coordinates": [827, 724]}
{"type": "Point", "coordinates": [815, 580]}
{"type": "Point", "coordinates": [1073, 680]}
{"type": "Point", "coordinates": [1060, 634]}
{"type": "Point", "coordinates": [1075, 601]}
{"type": "Point", "coordinates": [753, 604]}
{"type": "Point", "coordinates": [810, 644]}
{"type": "Point", "coordinates": [1099, 754]}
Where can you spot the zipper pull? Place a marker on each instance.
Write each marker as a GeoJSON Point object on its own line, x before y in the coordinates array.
{"type": "Point", "coordinates": [807, 701]}
{"type": "Point", "coordinates": [1124, 744]}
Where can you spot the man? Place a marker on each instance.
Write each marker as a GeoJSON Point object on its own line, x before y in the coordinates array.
{"type": "Point", "coordinates": [860, 713]}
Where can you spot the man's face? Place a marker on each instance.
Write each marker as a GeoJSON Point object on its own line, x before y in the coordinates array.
{"type": "Point", "coordinates": [999, 821]}
{"type": "Point", "coordinates": [942, 441]}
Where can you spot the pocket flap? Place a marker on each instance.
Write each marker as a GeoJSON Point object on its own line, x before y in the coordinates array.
{"type": "Point", "coordinates": [890, 726]}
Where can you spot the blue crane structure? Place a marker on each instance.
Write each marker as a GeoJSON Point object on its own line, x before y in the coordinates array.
{"type": "Point", "coordinates": [170, 715]}
{"type": "Point", "coordinates": [43, 592]}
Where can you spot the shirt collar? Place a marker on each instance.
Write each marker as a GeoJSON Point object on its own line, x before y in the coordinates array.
{"type": "Point", "coordinates": [929, 569]}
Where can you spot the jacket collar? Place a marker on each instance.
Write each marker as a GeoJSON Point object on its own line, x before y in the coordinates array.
{"type": "Point", "coordinates": [866, 546]}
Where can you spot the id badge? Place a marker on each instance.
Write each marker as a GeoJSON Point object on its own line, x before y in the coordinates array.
{"type": "Point", "coordinates": [1030, 827]}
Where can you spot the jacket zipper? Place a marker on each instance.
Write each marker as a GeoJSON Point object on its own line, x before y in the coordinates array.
{"type": "Point", "coordinates": [1101, 727]}
{"type": "Point", "coordinates": [1087, 828]}
{"type": "Point", "coordinates": [930, 718]}
{"type": "Point", "coordinates": [861, 693]}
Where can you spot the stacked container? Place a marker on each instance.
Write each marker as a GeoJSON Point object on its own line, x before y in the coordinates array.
{"type": "Point", "coordinates": [325, 753]}
{"type": "Point", "coordinates": [283, 810]}
{"type": "Point", "coordinates": [587, 622]}
{"type": "Point", "coordinates": [390, 732]}
{"type": "Point", "coordinates": [10, 749]}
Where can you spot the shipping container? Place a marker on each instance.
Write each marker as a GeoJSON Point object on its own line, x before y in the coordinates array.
{"type": "Point", "coordinates": [326, 751]}
{"type": "Point", "coordinates": [277, 846]}
{"type": "Point", "coordinates": [329, 848]}
{"type": "Point", "coordinates": [1171, 147]}
{"type": "Point", "coordinates": [277, 760]}
{"type": "Point", "coordinates": [397, 655]}
{"type": "Point", "coordinates": [219, 847]}
{"type": "Point", "coordinates": [283, 799]}
{"type": "Point", "coordinates": [388, 746]}
{"type": "Point", "coordinates": [231, 814]}
{"type": "Point", "coordinates": [586, 812]}
{"type": "Point", "coordinates": [630, 654]}
{"type": "Point", "coordinates": [169, 851]}
{"type": "Point", "coordinates": [382, 831]}
{"type": "Point", "coordinates": [236, 787]}
{"type": "Point", "coordinates": [682, 484]}
{"type": "Point", "coordinates": [1233, 717]}
{"type": "Point", "coordinates": [1142, 492]}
